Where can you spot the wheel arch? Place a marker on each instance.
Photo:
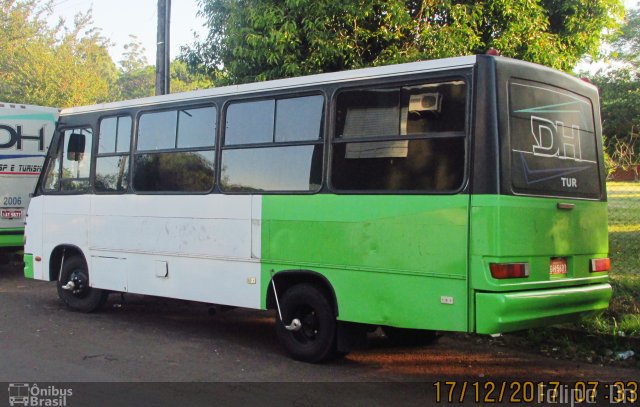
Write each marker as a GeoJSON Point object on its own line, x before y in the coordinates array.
{"type": "Point", "coordinates": [286, 279]}
{"type": "Point", "coordinates": [60, 252]}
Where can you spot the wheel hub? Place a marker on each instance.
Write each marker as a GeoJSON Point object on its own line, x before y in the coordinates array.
{"type": "Point", "coordinates": [80, 283]}
{"type": "Point", "coordinates": [310, 325]}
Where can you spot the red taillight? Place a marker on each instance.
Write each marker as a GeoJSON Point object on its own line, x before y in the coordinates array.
{"type": "Point", "coordinates": [600, 265]}
{"type": "Point", "coordinates": [509, 270]}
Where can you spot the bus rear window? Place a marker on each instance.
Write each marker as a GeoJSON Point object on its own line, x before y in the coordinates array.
{"type": "Point", "coordinates": [553, 142]}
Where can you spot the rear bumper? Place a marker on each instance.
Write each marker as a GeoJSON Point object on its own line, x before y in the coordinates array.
{"type": "Point", "coordinates": [512, 311]}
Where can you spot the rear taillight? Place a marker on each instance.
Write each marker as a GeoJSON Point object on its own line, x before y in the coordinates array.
{"type": "Point", "coordinates": [598, 265]}
{"type": "Point", "coordinates": [509, 270]}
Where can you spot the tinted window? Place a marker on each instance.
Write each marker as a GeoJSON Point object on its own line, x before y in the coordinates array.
{"type": "Point", "coordinates": [278, 166]}
{"type": "Point", "coordinates": [124, 134]}
{"type": "Point", "coordinates": [52, 177]}
{"type": "Point", "coordinates": [196, 127]}
{"type": "Point", "coordinates": [299, 119]}
{"type": "Point", "coordinates": [410, 165]}
{"type": "Point", "coordinates": [292, 168]}
{"type": "Point", "coordinates": [369, 113]}
{"type": "Point", "coordinates": [178, 170]}
{"type": "Point", "coordinates": [250, 122]}
{"type": "Point", "coordinates": [112, 162]}
{"type": "Point", "coordinates": [421, 133]}
{"type": "Point", "coordinates": [157, 131]}
{"type": "Point", "coordinates": [115, 135]}
{"type": "Point", "coordinates": [107, 135]}
{"type": "Point", "coordinates": [112, 174]}
{"type": "Point", "coordinates": [553, 143]}
{"type": "Point", "coordinates": [174, 171]}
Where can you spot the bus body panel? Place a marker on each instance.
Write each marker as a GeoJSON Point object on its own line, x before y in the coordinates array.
{"type": "Point", "coordinates": [179, 247]}
{"type": "Point", "coordinates": [391, 260]}
{"type": "Point", "coordinates": [502, 234]}
{"type": "Point", "coordinates": [25, 135]}
{"type": "Point", "coordinates": [196, 248]}
{"type": "Point", "coordinates": [66, 222]}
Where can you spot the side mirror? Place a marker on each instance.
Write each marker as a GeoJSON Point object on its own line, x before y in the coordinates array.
{"type": "Point", "coordinates": [76, 146]}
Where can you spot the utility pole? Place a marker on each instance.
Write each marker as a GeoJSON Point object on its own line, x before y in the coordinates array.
{"type": "Point", "coordinates": [162, 50]}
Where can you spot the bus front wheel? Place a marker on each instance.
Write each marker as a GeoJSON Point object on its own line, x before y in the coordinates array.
{"type": "Point", "coordinates": [313, 339]}
{"type": "Point", "coordinates": [74, 289]}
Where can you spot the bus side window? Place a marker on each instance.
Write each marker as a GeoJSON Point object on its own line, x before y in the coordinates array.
{"type": "Point", "coordinates": [408, 138]}
{"type": "Point", "coordinates": [112, 162]}
{"type": "Point", "coordinates": [176, 151]}
{"type": "Point", "coordinates": [273, 145]}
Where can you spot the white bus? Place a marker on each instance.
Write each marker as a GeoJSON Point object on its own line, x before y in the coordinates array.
{"type": "Point", "coordinates": [25, 135]}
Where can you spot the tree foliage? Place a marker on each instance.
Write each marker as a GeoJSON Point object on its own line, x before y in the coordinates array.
{"type": "Point", "coordinates": [251, 40]}
{"type": "Point", "coordinates": [619, 87]}
{"type": "Point", "coordinates": [52, 66]}
{"type": "Point", "coordinates": [137, 77]}
{"type": "Point", "coordinates": [58, 66]}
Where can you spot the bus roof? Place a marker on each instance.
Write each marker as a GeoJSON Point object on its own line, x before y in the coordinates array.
{"type": "Point", "coordinates": [20, 106]}
{"type": "Point", "coordinates": [389, 70]}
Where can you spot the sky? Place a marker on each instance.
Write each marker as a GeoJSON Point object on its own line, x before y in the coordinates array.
{"type": "Point", "coordinates": [120, 18]}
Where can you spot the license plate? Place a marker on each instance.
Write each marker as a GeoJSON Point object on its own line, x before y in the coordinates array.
{"type": "Point", "coordinates": [11, 213]}
{"type": "Point", "coordinates": [558, 267]}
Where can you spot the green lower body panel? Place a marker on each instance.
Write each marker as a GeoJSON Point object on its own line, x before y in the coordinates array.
{"type": "Point", "coordinates": [11, 237]}
{"type": "Point", "coordinates": [28, 265]}
{"type": "Point", "coordinates": [512, 311]}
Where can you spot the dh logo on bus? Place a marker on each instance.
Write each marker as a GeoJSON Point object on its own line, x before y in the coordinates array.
{"type": "Point", "coordinates": [16, 137]}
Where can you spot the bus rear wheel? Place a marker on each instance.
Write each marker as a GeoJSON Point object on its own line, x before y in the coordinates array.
{"type": "Point", "coordinates": [313, 339]}
{"type": "Point", "coordinates": [74, 289]}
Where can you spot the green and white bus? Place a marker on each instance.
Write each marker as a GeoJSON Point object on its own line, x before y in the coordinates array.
{"type": "Point", "coordinates": [25, 135]}
{"type": "Point", "coordinates": [463, 194]}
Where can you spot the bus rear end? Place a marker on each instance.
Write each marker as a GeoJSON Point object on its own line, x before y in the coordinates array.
{"type": "Point", "coordinates": [25, 135]}
{"type": "Point", "coordinates": [539, 241]}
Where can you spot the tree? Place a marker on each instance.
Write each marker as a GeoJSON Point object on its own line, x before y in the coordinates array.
{"type": "Point", "coordinates": [619, 87]}
{"type": "Point", "coordinates": [56, 66]}
{"type": "Point", "coordinates": [252, 40]}
{"type": "Point", "coordinates": [626, 43]}
{"type": "Point", "coordinates": [137, 77]}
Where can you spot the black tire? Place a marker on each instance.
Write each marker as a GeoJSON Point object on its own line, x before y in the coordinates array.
{"type": "Point", "coordinates": [82, 298]}
{"type": "Point", "coordinates": [409, 337]}
{"type": "Point", "coordinates": [316, 340]}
